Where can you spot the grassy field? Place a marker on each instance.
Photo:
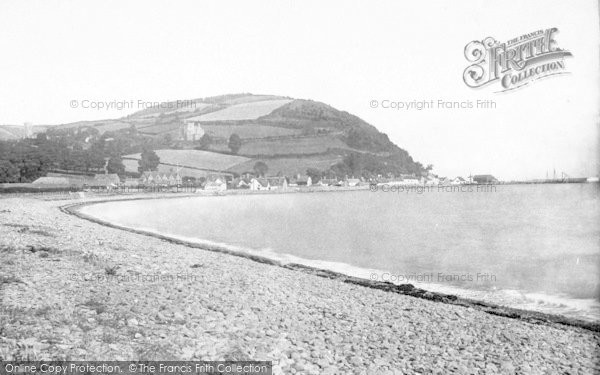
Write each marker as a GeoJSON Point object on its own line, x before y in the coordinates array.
{"type": "Point", "coordinates": [132, 165]}
{"type": "Point", "coordinates": [249, 131]}
{"type": "Point", "coordinates": [308, 145]}
{"type": "Point", "coordinates": [159, 128]}
{"type": "Point", "coordinates": [112, 126]}
{"type": "Point", "coordinates": [102, 125]}
{"type": "Point", "coordinates": [196, 159]}
{"type": "Point", "coordinates": [251, 98]}
{"type": "Point", "coordinates": [140, 122]}
{"type": "Point", "coordinates": [243, 111]}
{"type": "Point", "coordinates": [290, 166]}
{"type": "Point", "coordinates": [187, 107]}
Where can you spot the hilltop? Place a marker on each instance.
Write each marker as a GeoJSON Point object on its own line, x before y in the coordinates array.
{"type": "Point", "coordinates": [16, 132]}
{"type": "Point", "coordinates": [289, 135]}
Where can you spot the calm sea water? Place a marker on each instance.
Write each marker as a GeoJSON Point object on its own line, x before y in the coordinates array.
{"type": "Point", "coordinates": [528, 246]}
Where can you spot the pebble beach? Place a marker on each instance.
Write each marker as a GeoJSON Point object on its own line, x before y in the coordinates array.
{"type": "Point", "coordinates": [72, 289]}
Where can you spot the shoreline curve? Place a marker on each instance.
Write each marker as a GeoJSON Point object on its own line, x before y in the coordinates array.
{"type": "Point", "coordinates": [532, 317]}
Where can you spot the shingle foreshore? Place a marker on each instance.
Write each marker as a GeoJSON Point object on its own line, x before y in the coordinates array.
{"type": "Point", "coordinates": [73, 289]}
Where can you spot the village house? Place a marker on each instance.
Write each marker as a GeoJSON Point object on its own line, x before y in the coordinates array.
{"type": "Point", "coordinates": [351, 182]}
{"type": "Point", "coordinates": [160, 179]}
{"type": "Point", "coordinates": [277, 183]}
{"type": "Point", "coordinates": [329, 182]}
{"type": "Point", "coordinates": [403, 179]}
{"type": "Point", "coordinates": [216, 184]}
{"type": "Point", "coordinates": [269, 183]}
{"type": "Point", "coordinates": [107, 180]}
{"type": "Point", "coordinates": [259, 184]}
{"type": "Point", "coordinates": [240, 183]}
{"type": "Point", "coordinates": [444, 181]}
{"type": "Point", "coordinates": [300, 181]}
{"type": "Point", "coordinates": [131, 182]}
{"type": "Point", "coordinates": [458, 181]}
{"type": "Point", "coordinates": [431, 180]}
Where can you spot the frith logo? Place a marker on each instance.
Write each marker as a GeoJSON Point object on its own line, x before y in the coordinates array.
{"type": "Point", "coordinates": [515, 63]}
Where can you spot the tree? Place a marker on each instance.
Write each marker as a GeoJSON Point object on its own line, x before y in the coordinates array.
{"type": "Point", "coordinates": [93, 160]}
{"type": "Point", "coordinates": [260, 168]}
{"type": "Point", "coordinates": [235, 143]}
{"type": "Point", "coordinates": [132, 130]}
{"type": "Point", "coordinates": [205, 141]}
{"type": "Point", "coordinates": [354, 162]}
{"type": "Point", "coordinates": [78, 160]}
{"type": "Point", "coordinates": [30, 169]}
{"type": "Point", "coordinates": [115, 165]}
{"type": "Point", "coordinates": [314, 174]}
{"type": "Point", "coordinates": [40, 139]}
{"type": "Point", "coordinates": [9, 172]}
{"type": "Point", "coordinates": [148, 161]}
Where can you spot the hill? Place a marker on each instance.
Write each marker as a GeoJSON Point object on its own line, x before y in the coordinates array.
{"type": "Point", "coordinates": [289, 135]}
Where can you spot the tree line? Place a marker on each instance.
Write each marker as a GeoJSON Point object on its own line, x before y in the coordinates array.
{"type": "Point", "coordinates": [81, 150]}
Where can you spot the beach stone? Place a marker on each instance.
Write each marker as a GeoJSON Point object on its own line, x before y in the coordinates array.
{"type": "Point", "coordinates": [525, 368]}
{"type": "Point", "coordinates": [491, 367]}
{"type": "Point", "coordinates": [355, 361]}
{"type": "Point", "coordinates": [178, 316]}
{"type": "Point", "coordinates": [331, 370]}
{"type": "Point", "coordinates": [299, 365]}
{"type": "Point", "coordinates": [132, 322]}
{"type": "Point", "coordinates": [270, 332]}
{"type": "Point", "coordinates": [507, 366]}
{"type": "Point", "coordinates": [323, 363]}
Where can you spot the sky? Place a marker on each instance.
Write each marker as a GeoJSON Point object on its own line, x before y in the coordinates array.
{"type": "Point", "coordinates": [343, 53]}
